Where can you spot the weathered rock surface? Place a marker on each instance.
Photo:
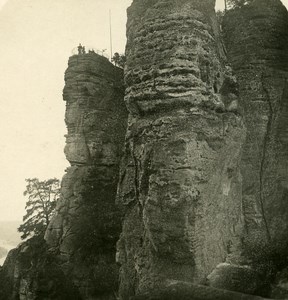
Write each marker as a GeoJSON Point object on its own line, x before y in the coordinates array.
{"type": "Point", "coordinates": [204, 201]}
{"type": "Point", "coordinates": [31, 273]}
{"type": "Point", "coordinates": [87, 223]}
{"type": "Point", "coordinates": [256, 38]}
{"type": "Point", "coordinates": [180, 181]}
{"type": "Point", "coordinates": [77, 261]}
{"type": "Point", "coordinates": [186, 291]}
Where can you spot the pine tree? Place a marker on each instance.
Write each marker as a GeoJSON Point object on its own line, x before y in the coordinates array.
{"type": "Point", "coordinates": [40, 207]}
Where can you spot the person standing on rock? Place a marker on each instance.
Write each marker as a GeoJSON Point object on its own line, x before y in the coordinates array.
{"type": "Point", "coordinates": [80, 49]}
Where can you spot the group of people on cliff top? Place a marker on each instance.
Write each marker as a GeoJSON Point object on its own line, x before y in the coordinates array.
{"type": "Point", "coordinates": [82, 50]}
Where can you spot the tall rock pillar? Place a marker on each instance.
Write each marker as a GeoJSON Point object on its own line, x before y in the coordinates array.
{"type": "Point", "coordinates": [87, 224]}
{"type": "Point", "coordinates": [180, 182]}
{"type": "Point", "coordinates": [256, 37]}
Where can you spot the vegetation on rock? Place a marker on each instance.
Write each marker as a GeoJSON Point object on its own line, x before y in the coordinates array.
{"type": "Point", "coordinates": [40, 207]}
{"type": "Point", "coordinates": [119, 60]}
{"type": "Point", "coordinates": [202, 192]}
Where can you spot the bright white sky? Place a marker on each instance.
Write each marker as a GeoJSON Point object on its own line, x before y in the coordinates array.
{"type": "Point", "coordinates": [37, 37]}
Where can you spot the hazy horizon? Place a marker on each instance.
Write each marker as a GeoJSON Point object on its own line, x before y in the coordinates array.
{"type": "Point", "coordinates": [37, 37]}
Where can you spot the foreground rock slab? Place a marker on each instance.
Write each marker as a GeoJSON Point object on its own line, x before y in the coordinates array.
{"type": "Point", "coordinates": [188, 291]}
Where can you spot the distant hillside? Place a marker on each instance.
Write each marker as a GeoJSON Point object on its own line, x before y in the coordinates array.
{"type": "Point", "coordinates": [9, 238]}
{"type": "Point", "coordinates": [3, 252]}
{"type": "Point", "coordinates": [9, 233]}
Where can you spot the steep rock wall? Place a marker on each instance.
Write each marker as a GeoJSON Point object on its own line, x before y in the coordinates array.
{"type": "Point", "coordinates": [256, 37]}
{"type": "Point", "coordinates": [77, 260]}
{"type": "Point", "coordinates": [257, 44]}
{"type": "Point", "coordinates": [30, 273]}
{"type": "Point", "coordinates": [87, 223]}
{"type": "Point", "coordinates": [180, 182]}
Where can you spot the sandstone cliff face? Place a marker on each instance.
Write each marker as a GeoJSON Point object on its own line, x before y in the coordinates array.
{"type": "Point", "coordinates": [31, 273]}
{"type": "Point", "coordinates": [180, 182]}
{"type": "Point", "coordinates": [87, 223]}
{"type": "Point", "coordinates": [204, 199]}
{"type": "Point", "coordinates": [256, 37]}
{"type": "Point", "coordinates": [77, 261]}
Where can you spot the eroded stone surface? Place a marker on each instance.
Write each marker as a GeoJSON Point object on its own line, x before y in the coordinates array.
{"type": "Point", "coordinates": [31, 273]}
{"type": "Point", "coordinates": [175, 290]}
{"type": "Point", "coordinates": [204, 203]}
{"type": "Point", "coordinates": [77, 261]}
{"type": "Point", "coordinates": [180, 179]}
{"type": "Point", "coordinates": [87, 223]}
{"type": "Point", "coordinates": [257, 46]}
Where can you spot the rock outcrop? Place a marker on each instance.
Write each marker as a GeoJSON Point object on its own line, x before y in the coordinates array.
{"type": "Point", "coordinates": [174, 290]}
{"type": "Point", "coordinates": [30, 272]}
{"type": "Point", "coordinates": [77, 260]}
{"type": "Point", "coordinates": [201, 187]}
{"type": "Point", "coordinates": [180, 182]}
{"type": "Point", "coordinates": [87, 223]}
{"type": "Point", "coordinates": [256, 37]}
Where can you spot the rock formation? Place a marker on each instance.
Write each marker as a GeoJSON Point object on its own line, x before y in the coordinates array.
{"type": "Point", "coordinates": [174, 290]}
{"type": "Point", "coordinates": [180, 181]}
{"type": "Point", "coordinates": [202, 187]}
{"type": "Point", "coordinates": [87, 223]}
{"type": "Point", "coordinates": [256, 37]}
{"type": "Point", "coordinates": [30, 272]}
{"type": "Point", "coordinates": [78, 259]}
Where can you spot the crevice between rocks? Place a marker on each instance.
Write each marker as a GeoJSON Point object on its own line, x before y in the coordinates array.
{"type": "Point", "coordinates": [263, 159]}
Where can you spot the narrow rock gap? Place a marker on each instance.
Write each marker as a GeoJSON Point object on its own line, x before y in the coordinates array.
{"type": "Point", "coordinates": [263, 159]}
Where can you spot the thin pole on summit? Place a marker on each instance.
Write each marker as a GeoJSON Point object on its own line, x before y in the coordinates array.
{"type": "Point", "coordinates": [110, 34]}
